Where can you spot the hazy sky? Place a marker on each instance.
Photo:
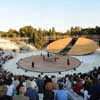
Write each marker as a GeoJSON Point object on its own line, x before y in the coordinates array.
{"type": "Point", "coordinates": [61, 14]}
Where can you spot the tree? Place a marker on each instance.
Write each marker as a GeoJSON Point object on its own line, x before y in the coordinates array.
{"type": "Point", "coordinates": [12, 33]}
{"type": "Point", "coordinates": [67, 32]}
{"type": "Point", "coordinates": [97, 29]}
{"type": "Point", "coordinates": [3, 34]}
{"type": "Point", "coordinates": [39, 39]}
{"type": "Point", "coordinates": [75, 31]}
{"type": "Point", "coordinates": [49, 32]}
{"type": "Point", "coordinates": [53, 33]}
{"type": "Point", "coordinates": [26, 31]}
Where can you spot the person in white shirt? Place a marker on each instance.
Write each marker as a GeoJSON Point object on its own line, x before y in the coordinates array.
{"type": "Point", "coordinates": [15, 83]}
{"type": "Point", "coordinates": [86, 95]}
{"type": "Point", "coordinates": [30, 83]}
{"type": "Point", "coordinates": [10, 88]}
{"type": "Point", "coordinates": [68, 83]}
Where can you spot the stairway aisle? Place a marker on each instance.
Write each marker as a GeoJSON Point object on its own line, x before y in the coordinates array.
{"type": "Point", "coordinates": [69, 46]}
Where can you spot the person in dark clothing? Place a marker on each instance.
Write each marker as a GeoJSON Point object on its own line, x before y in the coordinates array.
{"type": "Point", "coordinates": [99, 43]}
{"type": "Point", "coordinates": [48, 95]}
{"type": "Point", "coordinates": [49, 91]}
{"type": "Point", "coordinates": [32, 64]}
{"type": "Point", "coordinates": [95, 91]}
{"type": "Point", "coordinates": [48, 55]}
{"type": "Point", "coordinates": [40, 84]}
{"type": "Point", "coordinates": [47, 79]}
{"type": "Point", "coordinates": [32, 94]}
{"type": "Point", "coordinates": [68, 62]}
{"type": "Point", "coordinates": [5, 97]}
{"type": "Point", "coordinates": [21, 94]}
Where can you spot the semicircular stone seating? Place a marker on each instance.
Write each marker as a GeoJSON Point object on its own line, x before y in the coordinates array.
{"type": "Point", "coordinates": [73, 46]}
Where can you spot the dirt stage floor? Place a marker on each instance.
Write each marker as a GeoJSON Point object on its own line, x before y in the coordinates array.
{"type": "Point", "coordinates": [45, 64]}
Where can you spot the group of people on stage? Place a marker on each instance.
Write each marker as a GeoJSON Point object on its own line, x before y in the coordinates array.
{"type": "Point", "coordinates": [55, 58]}
{"type": "Point", "coordinates": [50, 56]}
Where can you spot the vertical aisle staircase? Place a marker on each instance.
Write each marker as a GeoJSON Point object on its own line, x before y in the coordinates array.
{"type": "Point", "coordinates": [69, 46]}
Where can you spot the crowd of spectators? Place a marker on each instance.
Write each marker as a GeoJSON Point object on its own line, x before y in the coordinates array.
{"type": "Point", "coordinates": [51, 88]}
{"type": "Point", "coordinates": [4, 57]}
{"type": "Point", "coordinates": [86, 86]}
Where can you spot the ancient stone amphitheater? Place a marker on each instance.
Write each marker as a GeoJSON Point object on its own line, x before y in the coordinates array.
{"type": "Point", "coordinates": [73, 46]}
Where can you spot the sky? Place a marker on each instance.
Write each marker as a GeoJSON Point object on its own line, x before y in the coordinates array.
{"type": "Point", "coordinates": [61, 14]}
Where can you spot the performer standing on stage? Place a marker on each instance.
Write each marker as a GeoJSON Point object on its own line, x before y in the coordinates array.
{"type": "Point", "coordinates": [32, 64]}
{"type": "Point", "coordinates": [48, 55]}
{"type": "Point", "coordinates": [68, 62]}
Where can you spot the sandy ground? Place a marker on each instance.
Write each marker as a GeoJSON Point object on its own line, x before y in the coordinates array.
{"type": "Point", "coordinates": [49, 64]}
